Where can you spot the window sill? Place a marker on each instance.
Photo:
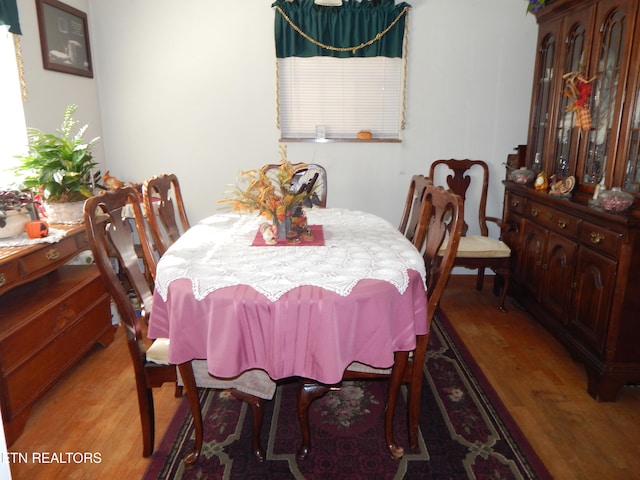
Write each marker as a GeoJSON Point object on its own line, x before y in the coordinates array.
{"type": "Point", "coordinates": [340, 140]}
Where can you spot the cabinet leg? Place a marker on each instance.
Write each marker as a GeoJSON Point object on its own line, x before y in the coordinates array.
{"type": "Point", "coordinates": [13, 428]}
{"type": "Point", "coordinates": [603, 388]}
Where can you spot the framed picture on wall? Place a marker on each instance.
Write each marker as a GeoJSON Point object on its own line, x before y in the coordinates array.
{"type": "Point", "coordinates": [64, 38]}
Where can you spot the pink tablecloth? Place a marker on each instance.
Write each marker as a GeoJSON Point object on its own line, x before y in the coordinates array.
{"type": "Point", "coordinates": [309, 331]}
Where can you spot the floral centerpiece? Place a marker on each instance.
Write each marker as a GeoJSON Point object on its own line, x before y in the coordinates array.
{"type": "Point", "coordinates": [274, 194]}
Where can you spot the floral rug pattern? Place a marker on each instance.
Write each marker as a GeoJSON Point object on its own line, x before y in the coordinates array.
{"type": "Point", "coordinates": [465, 433]}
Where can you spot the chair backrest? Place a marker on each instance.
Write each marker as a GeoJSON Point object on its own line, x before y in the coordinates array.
{"type": "Point", "coordinates": [303, 173]}
{"type": "Point", "coordinates": [113, 237]}
{"type": "Point", "coordinates": [413, 208]}
{"type": "Point", "coordinates": [442, 217]}
{"type": "Point", "coordinates": [164, 208]}
{"type": "Point", "coordinates": [458, 180]}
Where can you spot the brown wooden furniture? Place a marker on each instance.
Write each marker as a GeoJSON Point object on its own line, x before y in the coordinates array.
{"type": "Point", "coordinates": [111, 234]}
{"type": "Point", "coordinates": [577, 266]}
{"type": "Point", "coordinates": [51, 314]}
{"type": "Point", "coordinates": [164, 208]}
{"type": "Point", "coordinates": [477, 252]}
{"type": "Point", "coordinates": [304, 172]}
{"type": "Point", "coordinates": [412, 213]}
{"type": "Point", "coordinates": [442, 212]}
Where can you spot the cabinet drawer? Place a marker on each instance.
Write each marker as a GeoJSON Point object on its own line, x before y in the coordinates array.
{"type": "Point", "coordinates": [43, 367]}
{"type": "Point", "coordinates": [8, 274]}
{"type": "Point", "coordinates": [515, 203]}
{"type": "Point", "coordinates": [47, 257]}
{"type": "Point", "coordinates": [556, 220]}
{"type": "Point", "coordinates": [82, 242]}
{"type": "Point", "coordinates": [600, 239]}
{"type": "Point", "coordinates": [63, 303]}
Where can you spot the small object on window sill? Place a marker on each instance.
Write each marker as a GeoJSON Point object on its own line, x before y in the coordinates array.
{"type": "Point", "coordinates": [363, 135]}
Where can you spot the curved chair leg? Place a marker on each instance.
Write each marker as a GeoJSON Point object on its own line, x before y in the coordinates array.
{"type": "Point", "coordinates": [178, 391]}
{"type": "Point", "coordinates": [480, 278]}
{"type": "Point", "coordinates": [145, 405]}
{"type": "Point", "coordinates": [505, 288]}
{"type": "Point", "coordinates": [503, 273]}
{"type": "Point", "coordinates": [307, 393]}
{"type": "Point", "coordinates": [416, 388]}
{"type": "Point", "coordinates": [257, 408]}
{"type": "Point", "coordinates": [399, 365]}
{"type": "Point", "coordinates": [186, 371]}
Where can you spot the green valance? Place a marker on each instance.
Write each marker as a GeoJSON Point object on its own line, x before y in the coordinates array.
{"type": "Point", "coordinates": [367, 28]}
{"type": "Point", "coordinates": [9, 15]}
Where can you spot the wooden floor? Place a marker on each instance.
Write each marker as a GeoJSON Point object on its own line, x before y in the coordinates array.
{"type": "Point", "coordinates": [94, 410]}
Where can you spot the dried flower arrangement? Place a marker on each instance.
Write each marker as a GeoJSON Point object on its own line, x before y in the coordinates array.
{"type": "Point", "coordinates": [275, 196]}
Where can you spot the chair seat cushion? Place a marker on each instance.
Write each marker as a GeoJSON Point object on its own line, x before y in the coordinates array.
{"type": "Point", "coordinates": [364, 368]}
{"type": "Point", "coordinates": [478, 246]}
{"type": "Point", "coordinates": [254, 382]}
{"type": "Point", "coordinates": [158, 352]}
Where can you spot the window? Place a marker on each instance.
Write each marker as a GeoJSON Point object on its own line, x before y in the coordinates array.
{"type": "Point", "coordinates": [13, 132]}
{"type": "Point", "coordinates": [341, 69]}
{"type": "Point", "coordinates": [340, 95]}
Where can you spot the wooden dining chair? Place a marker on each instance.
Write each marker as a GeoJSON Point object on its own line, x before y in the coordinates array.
{"type": "Point", "coordinates": [477, 252]}
{"type": "Point", "coordinates": [164, 209]}
{"type": "Point", "coordinates": [304, 172]}
{"type": "Point", "coordinates": [413, 207]}
{"type": "Point", "coordinates": [441, 215]}
{"type": "Point", "coordinates": [112, 239]}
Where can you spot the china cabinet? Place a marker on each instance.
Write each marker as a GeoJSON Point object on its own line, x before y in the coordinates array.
{"type": "Point", "coordinates": [576, 266]}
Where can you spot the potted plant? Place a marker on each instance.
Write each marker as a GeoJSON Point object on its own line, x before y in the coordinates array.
{"type": "Point", "coordinates": [60, 168]}
{"type": "Point", "coordinates": [13, 212]}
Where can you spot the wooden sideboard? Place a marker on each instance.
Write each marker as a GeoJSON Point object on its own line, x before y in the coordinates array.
{"type": "Point", "coordinates": [51, 314]}
{"type": "Point", "coordinates": [576, 271]}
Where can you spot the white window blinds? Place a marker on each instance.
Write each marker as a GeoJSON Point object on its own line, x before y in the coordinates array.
{"type": "Point", "coordinates": [342, 95]}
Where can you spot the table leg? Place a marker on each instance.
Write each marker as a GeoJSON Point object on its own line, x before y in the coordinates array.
{"type": "Point", "coordinates": [307, 393]}
{"type": "Point", "coordinates": [257, 408]}
{"type": "Point", "coordinates": [186, 371]}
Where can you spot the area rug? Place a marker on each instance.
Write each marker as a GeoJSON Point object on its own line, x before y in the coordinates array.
{"type": "Point", "coordinates": [465, 431]}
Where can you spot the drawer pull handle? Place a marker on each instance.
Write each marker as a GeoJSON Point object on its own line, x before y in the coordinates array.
{"type": "Point", "coordinates": [52, 254]}
{"type": "Point", "coordinates": [3, 279]}
{"type": "Point", "coordinates": [563, 223]}
{"type": "Point", "coordinates": [514, 203]}
{"type": "Point", "coordinates": [596, 238]}
{"type": "Point", "coordinates": [535, 212]}
{"type": "Point", "coordinates": [549, 216]}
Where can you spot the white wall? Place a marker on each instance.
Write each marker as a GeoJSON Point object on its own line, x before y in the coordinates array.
{"type": "Point", "coordinates": [49, 92]}
{"type": "Point", "coordinates": [189, 88]}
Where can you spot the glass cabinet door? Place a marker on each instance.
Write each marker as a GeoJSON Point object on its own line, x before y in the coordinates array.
{"type": "Point", "coordinates": [542, 107]}
{"type": "Point", "coordinates": [567, 136]}
{"type": "Point", "coordinates": [632, 168]}
{"type": "Point", "coordinates": [610, 52]}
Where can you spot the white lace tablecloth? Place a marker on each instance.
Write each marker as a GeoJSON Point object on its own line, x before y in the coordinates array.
{"type": "Point", "coordinates": [217, 253]}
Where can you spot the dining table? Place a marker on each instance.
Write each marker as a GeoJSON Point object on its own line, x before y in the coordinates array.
{"type": "Point", "coordinates": [349, 296]}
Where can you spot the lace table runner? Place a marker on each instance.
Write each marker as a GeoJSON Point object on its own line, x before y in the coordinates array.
{"type": "Point", "coordinates": [217, 253]}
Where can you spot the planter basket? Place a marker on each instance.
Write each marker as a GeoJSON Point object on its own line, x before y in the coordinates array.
{"type": "Point", "coordinates": [65, 212]}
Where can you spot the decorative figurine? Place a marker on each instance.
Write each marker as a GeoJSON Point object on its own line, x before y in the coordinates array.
{"type": "Point", "coordinates": [269, 233]}
{"type": "Point", "coordinates": [541, 183]}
